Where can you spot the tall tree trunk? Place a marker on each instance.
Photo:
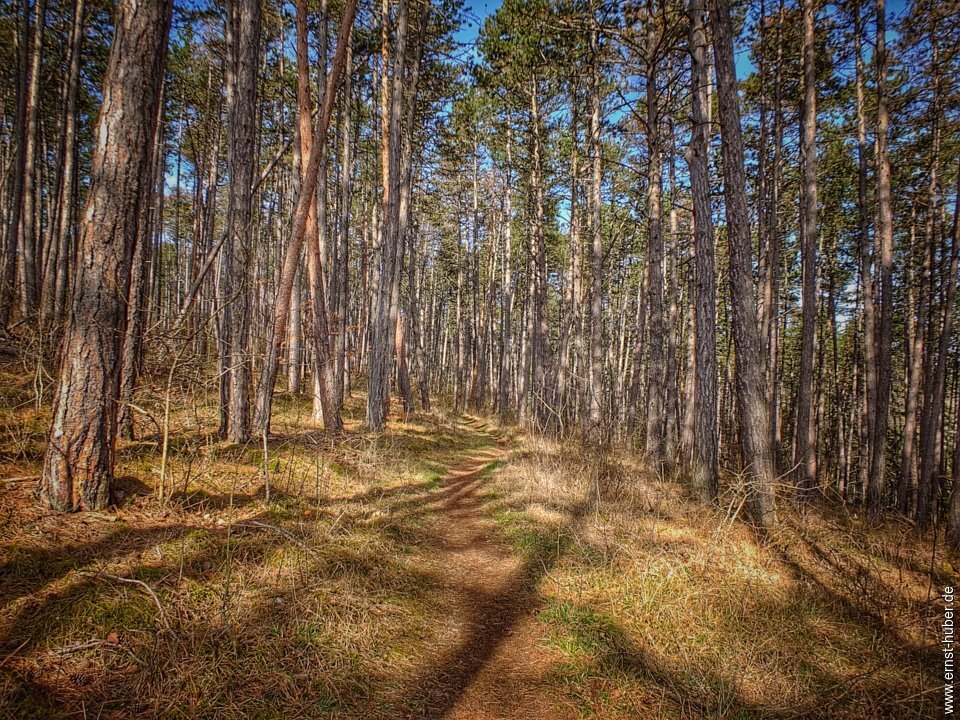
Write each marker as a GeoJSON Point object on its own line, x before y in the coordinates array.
{"type": "Point", "coordinates": [541, 395]}
{"type": "Point", "coordinates": [916, 355]}
{"type": "Point", "coordinates": [11, 249]}
{"type": "Point", "coordinates": [704, 457]}
{"type": "Point", "coordinates": [460, 327]}
{"type": "Point", "coordinates": [770, 330]}
{"type": "Point", "coordinates": [403, 372]}
{"type": "Point", "coordinates": [58, 277]}
{"type": "Point", "coordinates": [656, 370]}
{"type": "Point", "coordinates": [475, 294]}
{"type": "Point", "coordinates": [29, 242]}
{"type": "Point", "coordinates": [318, 250]}
{"type": "Point", "coordinates": [404, 212]}
{"type": "Point", "coordinates": [916, 309]}
{"type": "Point", "coordinates": [805, 458]}
{"type": "Point", "coordinates": [405, 86]}
{"type": "Point", "coordinates": [869, 399]}
{"type": "Point", "coordinates": [568, 388]}
{"type": "Point", "coordinates": [343, 241]}
{"type": "Point", "coordinates": [506, 343]}
{"type": "Point", "coordinates": [139, 294]}
{"type": "Point", "coordinates": [953, 517]}
{"type": "Point", "coordinates": [752, 411]}
{"type": "Point", "coordinates": [671, 376]}
{"type": "Point", "coordinates": [78, 462]}
{"type": "Point", "coordinates": [294, 335]}
{"type": "Point", "coordinates": [595, 377]}
{"type": "Point", "coordinates": [382, 332]}
{"type": "Point", "coordinates": [935, 395]}
{"type": "Point", "coordinates": [304, 220]}
{"type": "Point", "coordinates": [884, 249]}
{"type": "Point", "coordinates": [243, 43]}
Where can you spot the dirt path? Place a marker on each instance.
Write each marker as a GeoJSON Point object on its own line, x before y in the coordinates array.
{"type": "Point", "coordinates": [492, 663]}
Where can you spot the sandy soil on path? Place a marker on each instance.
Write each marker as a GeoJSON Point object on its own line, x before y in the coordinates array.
{"type": "Point", "coordinates": [491, 662]}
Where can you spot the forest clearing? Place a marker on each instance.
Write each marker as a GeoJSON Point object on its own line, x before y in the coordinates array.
{"type": "Point", "coordinates": [517, 359]}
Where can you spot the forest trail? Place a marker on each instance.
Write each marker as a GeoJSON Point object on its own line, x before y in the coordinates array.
{"type": "Point", "coordinates": [491, 662]}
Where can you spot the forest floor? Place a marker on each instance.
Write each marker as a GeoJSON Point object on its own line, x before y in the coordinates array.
{"type": "Point", "coordinates": [495, 663]}
{"type": "Point", "coordinates": [447, 568]}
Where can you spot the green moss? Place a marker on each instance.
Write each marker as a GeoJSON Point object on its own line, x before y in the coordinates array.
{"type": "Point", "coordinates": [578, 629]}
{"type": "Point", "coordinates": [202, 593]}
{"type": "Point", "coordinates": [150, 573]}
{"type": "Point", "coordinates": [528, 538]}
{"type": "Point", "coordinates": [433, 476]}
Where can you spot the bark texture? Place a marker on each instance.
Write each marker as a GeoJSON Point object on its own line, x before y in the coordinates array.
{"type": "Point", "coordinates": [704, 447]}
{"type": "Point", "coordinates": [78, 463]}
{"type": "Point", "coordinates": [243, 48]}
{"type": "Point", "coordinates": [753, 416]}
{"type": "Point", "coordinates": [805, 458]}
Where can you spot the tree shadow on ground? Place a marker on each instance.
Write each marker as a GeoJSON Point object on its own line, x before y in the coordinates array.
{"type": "Point", "coordinates": [289, 647]}
{"type": "Point", "coordinates": [47, 590]}
{"type": "Point", "coordinates": [437, 687]}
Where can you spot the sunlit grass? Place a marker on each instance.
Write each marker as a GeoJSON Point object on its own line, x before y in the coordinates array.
{"type": "Point", "coordinates": [326, 600]}
{"type": "Point", "coordinates": [316, 602]}
{"type": "Point", "coordinates": [661, 607]}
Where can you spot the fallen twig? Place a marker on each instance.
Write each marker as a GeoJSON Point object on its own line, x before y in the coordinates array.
{"type": "Point", "coordinates": [79, 647]}
{"type": "Point", "coordinates": [335, 522]}
{"type": "Point", "coordinates": [142, 584]}
{"type": "Point", "coordinates": [15, 651]}
{"type": "Point", "coordinates": [25, 478]}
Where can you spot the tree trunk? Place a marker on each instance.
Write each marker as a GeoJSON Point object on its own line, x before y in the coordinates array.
{"type": "Point", "coordinates": [704, 457]}
{"type": "Point", "coordinates": [29, 241]}
{"type": "Point", "coordinates": [318, 260]}
{"type": "Point", "coordinates": [341, 270]}
{"type": "Point", "coordinates": [671, 376]}
{"type": "Point", "coordinates": [506, 343]}
{"type": "Point", "coordinates": [11, 249]}
{"type": "Point", "coordinates": [243, 43]}
{"type": "Point", "coordinates": [294, 335]}
{"type": "Point", "coordinates": [139, 293]}
{"type": "Point", "coordinates": [595, 376]}
{"type": "Point", "coordinates": [403, 372]}
{"type": "Point", "coordinates": [805, 458]}
{"type": "Point", "coordinates": [381, 331]}
{"type": "Point", "coordinates": [569, 396]}
{"type": "Point", "coordinates": [58, 276]}
{"type": "Point", "coordinates": [540, 342]}
{"type": "Point", "coordinates": [304, 220]}
{"type": "Point", "coordinates": [752, 411]}
{"type": "Point", "coordinates": [78, 462]}
{"type": "Point", "coordinates": [934, 397]}
{"type": "Point", "coordinates": [869, 400]}
{"type": "Point", "coordinates": [917, 309]}
{"type": "Point", "coordinates": [918, 361]}
{"type": "Point", "coordinates": [953, 518]}
{"type": "Point", "coordinates": [884, 248]}
{"type": "Point", "coordinates": [656, 370]}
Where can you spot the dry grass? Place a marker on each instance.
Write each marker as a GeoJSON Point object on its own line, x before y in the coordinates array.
{"type": "Point", "coordinates": [663, 607]}
{"type": "Point", "coordinates": [324, 602]}
{"type": "Point", "coordinates": [215, 603]}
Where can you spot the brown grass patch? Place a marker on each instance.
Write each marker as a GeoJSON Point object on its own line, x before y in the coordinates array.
{"type": "Point", "coordinates": [666, 607]}
{"type": "Point", "coordinates": [215, 603]}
